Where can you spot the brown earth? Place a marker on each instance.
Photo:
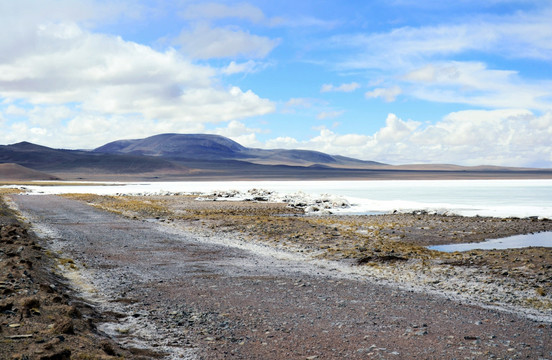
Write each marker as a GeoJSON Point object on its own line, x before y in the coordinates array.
{"type": "Point", "coordinates": [40, 316]}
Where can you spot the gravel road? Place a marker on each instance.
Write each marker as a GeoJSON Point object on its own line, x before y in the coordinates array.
{"type": "Point", "coordinates": [191, 297]}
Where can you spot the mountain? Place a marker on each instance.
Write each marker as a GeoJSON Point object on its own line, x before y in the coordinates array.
{"type": "Point", "coordinates": [215, 147]}
{"type": "Point", "coordinates": [14, 172]}
{"type": "Point", "coordinates": [178, 146]}
{"type": "Point", "coordinates": [212, 157]}
{"type": "Point", "coordinates": [43, 158]}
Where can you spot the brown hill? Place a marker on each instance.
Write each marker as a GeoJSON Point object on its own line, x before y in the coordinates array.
{"type": "Point", "coordinates": [14, 172]}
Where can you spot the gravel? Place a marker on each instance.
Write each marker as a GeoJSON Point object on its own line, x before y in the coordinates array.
{"type": "Point", "coordinates": [202, 295]}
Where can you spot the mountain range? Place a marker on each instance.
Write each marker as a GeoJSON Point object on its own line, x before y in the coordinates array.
{"type": "Point", "coordinates": [212, 157]}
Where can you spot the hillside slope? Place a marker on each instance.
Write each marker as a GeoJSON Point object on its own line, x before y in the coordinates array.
{"type": "Point", "coordinates": [43, 158]}
{"type": "Point", "coordinates": [12, 172]}
{"type": "Point", "coordinates": [216, 147]}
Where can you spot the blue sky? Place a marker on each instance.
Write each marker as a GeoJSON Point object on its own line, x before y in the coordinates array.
{"type": "Point", "coordinates": [464, 82]}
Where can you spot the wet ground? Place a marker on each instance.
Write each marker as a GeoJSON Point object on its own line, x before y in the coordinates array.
{"type": "Point", "coordinates": [202, 295]}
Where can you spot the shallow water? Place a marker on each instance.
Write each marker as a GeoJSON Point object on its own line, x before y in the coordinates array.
{"type": "Point", "coordinates": [543, 239]}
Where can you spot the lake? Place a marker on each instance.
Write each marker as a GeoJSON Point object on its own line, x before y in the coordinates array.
{"type": "Point", "coordinates": [543, 239]}
{"type": "Point", "coordinates": [499, 198]}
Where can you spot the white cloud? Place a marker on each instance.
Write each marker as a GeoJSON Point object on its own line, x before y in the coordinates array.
{"type": "Point", "coordinates": [235, 128]}
{"type": "Point", "coordinates": [299, 102]}
{"type": "Point", "coordinates": [247, 67]}
{"type": "Point", "coordinates": [294, 104]}
{"type": "Point", "coordinates": [105, 78]}
{"type": "Point", "coordinates": [421, 53]}
{"type": "Point", "coordinates": [473, 83]}
{"type": "Point", "coordinates": [306, 22]}
{"type": "Point", "coordinates": [341, 88]}
{"type": "Point", "coordinates": [521, 35]}
{"type": "Point", "coordinates": [283, 142]}
{"type": "Point", "coordinates": [476, 137]}
{"type": "Point", "coordinates": [205, 42]}
{"type": "Point", "coordinates": [87, 130]}
{"type": "Point", "coordinates": [388, 94]}
{"type": "Point", "coordinates": [15, 110]}
{"type": "Point", "coordinates": [240, 133]}
{"type": "Point", "coordinates": [329, 114]}
{"type": "Point", "coordinates": [308, 107]}
{"type": "Point", "coordinates": [49, 116]}
{"type": "Point", "coordinates": [213, 11]}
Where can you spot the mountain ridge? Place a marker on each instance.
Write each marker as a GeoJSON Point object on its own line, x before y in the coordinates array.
{"type": "Point", "coordinates": [206, 157]}
{"type": "Point", "coordinates": [217, 147]}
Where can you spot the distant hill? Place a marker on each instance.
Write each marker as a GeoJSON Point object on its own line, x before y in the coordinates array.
{"type": "Point", "coordinates": [13, 172]}
{"type": "Point", "coordinates": [178, 146]}
{"type": "Point", "coordinates": [215, 147]}
{"type": "Point", "coordinates": [43, 158]}
{"type": "Point", "coordinates": [212, 157]}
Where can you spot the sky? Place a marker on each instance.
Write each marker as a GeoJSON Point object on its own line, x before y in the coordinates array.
{"type": "Point", "coordinates": [464, 82]}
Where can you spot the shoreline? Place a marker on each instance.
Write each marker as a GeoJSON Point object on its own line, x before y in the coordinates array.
{"type": "Point", "coordinates": [526, 198]}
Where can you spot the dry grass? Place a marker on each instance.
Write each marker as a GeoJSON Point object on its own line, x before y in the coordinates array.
{"type": "Point", "coordinates": [8, 191]}
{"type": "Point", "coordinates": [327, 237]}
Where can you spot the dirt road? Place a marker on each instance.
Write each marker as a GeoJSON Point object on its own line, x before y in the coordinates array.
{"type": "Point", "coordinates": [189, 296]}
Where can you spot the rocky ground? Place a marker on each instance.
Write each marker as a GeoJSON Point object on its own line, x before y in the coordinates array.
{"type": "Point", "coordinates": [41, 317]}
{"type": "Point", "coordinates": [388, 247]}
{"type": "Point", "coordinates": [262, 309]}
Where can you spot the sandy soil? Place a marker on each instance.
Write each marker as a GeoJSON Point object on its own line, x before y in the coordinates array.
{"type": "Point", "coordinates": [245, 280]}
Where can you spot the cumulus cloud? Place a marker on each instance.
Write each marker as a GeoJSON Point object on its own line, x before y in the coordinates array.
{"type": "Point", "coordinates": [282, 142]}
{"type": "Point", "coordinates": [350, 87]}
{"type": "Point", "coordinates": [235, 128]}
{"type": "Point", "coordinates": [388, 94]}
{"type": "Point", "coordinates": [475, 137]}
{"type": "Point", "coordinates": [61, 67]}
{"type": "Point", "coordinates": [108, 74]}
{"type": "Point", "coordinates": [205, 42]}
{"type": "Point", "coordinates": [240, 133]}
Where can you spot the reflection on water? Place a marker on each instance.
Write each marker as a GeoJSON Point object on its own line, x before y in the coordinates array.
{"type": "Point", "coordinates": [543, 239]}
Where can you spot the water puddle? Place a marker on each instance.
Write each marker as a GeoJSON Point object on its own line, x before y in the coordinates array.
{"type": "Point", "coordinates": [542, 239]}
